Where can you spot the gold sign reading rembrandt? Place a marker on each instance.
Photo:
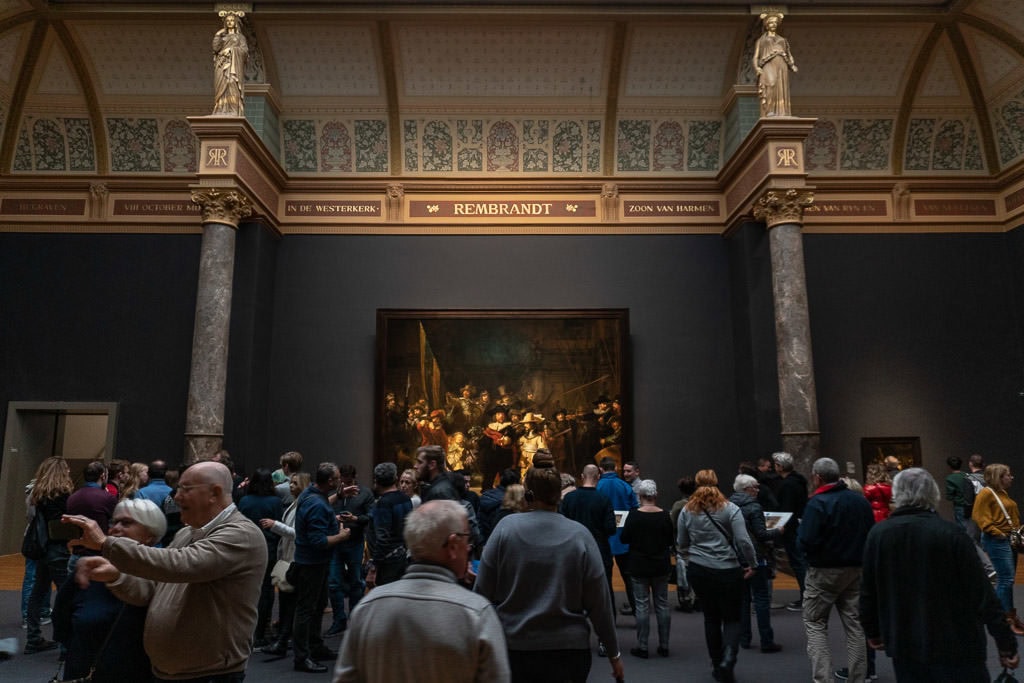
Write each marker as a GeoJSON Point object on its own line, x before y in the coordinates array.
{"type": "Point", "coordinates": [541, 209]}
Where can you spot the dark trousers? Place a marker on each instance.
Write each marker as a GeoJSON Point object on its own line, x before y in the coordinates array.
{"type": "Point", "coordinates": [51, 569]}
{"type": "Point", "coordinates": [310, 602]}
{"type": "Point", "coordinates": [345, 579]}
{"type": "Point", "coordinates": [549, 666]}
{"type": "Point", "coordinates": [758, 589]}
{"type": "Point", "coordinates": [286, 615]}
{"type": "Point", "coordinates": [236, 677]}
{"type": "Point", "coordinates": [721, 596]}
{"type": "Point", "coordinates": [916, 672]}
{"type": "Point", "coordinates": [623, 563]}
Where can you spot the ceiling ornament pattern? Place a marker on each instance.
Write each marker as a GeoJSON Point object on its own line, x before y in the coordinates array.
{"type": "Point", "coordinates": [657, 65]}
{"type": "Point", "coordinates": [846, 60]}
{"type": "Point", "coordinates": [503, 61]}
{"type": "Point", "coordinates": [9, 43]}
{"type": "Point", "coordinates": [325, 60]}
{"type": "Point", "coordinates": [133, 58]}
{"type": "Point", "coordinates": [341, 92]}
{"type": "Point", "coordinates": [57, 78]}
{"type": "Point", "coordinates": [1006, 13]}
{"type": "Point", "coordinates": [940, 79]}
{"type": "Point", "coordinates": [997, 61]}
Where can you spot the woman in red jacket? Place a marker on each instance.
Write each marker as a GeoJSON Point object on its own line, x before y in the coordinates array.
{"type": "Point", "coordinates": [878, 490]}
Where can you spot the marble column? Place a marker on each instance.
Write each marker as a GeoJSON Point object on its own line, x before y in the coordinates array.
{"type": "Point", "coordinates": [782, 212]}
{"type": "Point", "coordinates": [222, 209]}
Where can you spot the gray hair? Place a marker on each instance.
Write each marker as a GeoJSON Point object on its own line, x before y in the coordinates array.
{"type": "Point", "coordinates": [783, 460]}
{"type": "Point", "coordinates": [743, 482]}
{"type": "Point", "coordinates": [385, 473]}
{"type": "Point", "coordinates": [428, 527]}
{"type": "Point", "coordinates": [146, 513]}
{"type": "Point", "coordinates": [647, 488]}
{"type": "Point", "coordinates": [915, 487]}
{"type": "Point", "coordinates": [827, 469]}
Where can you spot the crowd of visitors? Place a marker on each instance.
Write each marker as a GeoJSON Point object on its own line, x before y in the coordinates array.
{"type": "Point", "coordinates": [513, 584]}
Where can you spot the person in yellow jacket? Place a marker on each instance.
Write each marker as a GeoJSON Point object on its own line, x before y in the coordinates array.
{"type": "Point", "coordinates": [996, 515]}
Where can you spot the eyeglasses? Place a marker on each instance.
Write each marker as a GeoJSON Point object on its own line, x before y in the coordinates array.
{"type": "Point", "coordinates": [188, 487]}
{"type": "Point", "coordinates": [122, 521]}
{"type": "Point", "coordinates": [464, 534]}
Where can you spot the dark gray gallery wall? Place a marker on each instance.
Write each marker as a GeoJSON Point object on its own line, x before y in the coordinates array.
{"type": "Point", "coordinates": [917, 335]}
{"type": "Point", "coordinates": [914, 335]}
{"type": "Point", "coordinates": [102, 318]}
{"type": "Point", "coordinates": [676, 288]}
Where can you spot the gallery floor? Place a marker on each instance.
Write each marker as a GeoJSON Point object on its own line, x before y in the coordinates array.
{"type": "Point", "coordinates": [687, 661]}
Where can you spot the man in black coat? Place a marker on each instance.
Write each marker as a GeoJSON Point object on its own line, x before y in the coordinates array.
{"type": "Point", "coordinates": [792, 496]}
{"type": "Point", "coordinates": [924, 595]}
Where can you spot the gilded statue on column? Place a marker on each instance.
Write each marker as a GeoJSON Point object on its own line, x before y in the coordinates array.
{"type": "Point", "coordinates": [772, 62]}
{"type": "Point", "coordinates": [229, 54]}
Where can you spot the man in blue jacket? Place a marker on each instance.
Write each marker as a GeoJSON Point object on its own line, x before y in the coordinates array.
{"type": "Point", "coordinates": [832, 533]}
{"type": "Point", "coordinates": [316, 532]}
{"type": "Point", "coordinates": [623, 498]}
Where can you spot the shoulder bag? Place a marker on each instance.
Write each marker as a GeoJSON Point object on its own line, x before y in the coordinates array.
{"type": "Point", "coordinates": [1016, 535]}
{"type": "Point", "coordinates": [33, 544]}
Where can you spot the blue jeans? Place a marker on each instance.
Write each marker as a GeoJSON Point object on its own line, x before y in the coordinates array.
{"type": "Point", "coordinates": [345, 580]}
{"type": "Point", "coordinates": [758, 590]}
{"type": "Point", "coordinates": [643, 588]}
{"type": "Point", "coordinates": [53, 569]}
{"type": "Point", "coordinates": [1005, 563]}
{"type": "Point", "coordinates": [27, 581]}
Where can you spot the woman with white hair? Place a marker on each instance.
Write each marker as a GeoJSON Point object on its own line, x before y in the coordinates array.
{"type": "Point", "coordinates": [102, 634]}
{"type": "Point", "coordinates": [649, 534]}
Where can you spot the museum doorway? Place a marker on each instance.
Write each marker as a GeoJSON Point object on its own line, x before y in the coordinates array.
{"type": "Point", "coordinates": [79, 432]}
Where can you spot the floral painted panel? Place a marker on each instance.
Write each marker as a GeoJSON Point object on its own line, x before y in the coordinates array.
{"type": "Point", "coordinates": [1007, 152]}
{"type": "Point", "coordinates": [299, 145]}
{"type": "Point", "coordinates": [180, 147]}
{"type": "Point", "coordinates": [335, 147]}
{"type": "Point", "coordinates": [705, 148]}
{"type": "Point", "coordinates": [409, 137]}
{"type": "Point", "coordinates": [535, 160]}
{"type": "Point", "coordinates": [822, 149]}
{"type": "Point", "coordinates": [371, 146]}
{"type": "Point", "coordinates": [48, 146]}
{"type": "Point", "coordinates": [81, 151]}
{"type": "Point", "coordinates": [948, 151]}
{"type": "Point", "coordinates": [1012, 114]}
{"type": "Point", "coordinates": [437, 146]}
{"type": "Point", "coordinates": [535, 132]}
{"type": "Point", "coordinates": [669, 142]}
{"type": "Point", "coordinates": [634, 145]}
{"type": "Point", "coordinates": [23, 152]}
{"type": "Point", "coordinates": [866, 144]}
{"type": "Point", "coordinates": [503, 147]}
{"type": "Point", "coordinates": [134, 145]}
{"type": "Point", "coordinates": [918, 156]}
{"type": "Point", "coordinates": [567, 147]}
{"type": "Point", "coordinates": [570, 146]}
{"type": "Point", "coordinates": [471, 138]}
{"type": "Point", "coordinates": [973, 160]}
{"type": "Point", "coordinates": [593, 146]}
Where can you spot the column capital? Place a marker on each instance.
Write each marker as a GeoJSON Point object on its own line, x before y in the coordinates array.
{"type": "Point", "coordinates": [222, 205]}
{"type": "Point", "coordinates": [776, 207]}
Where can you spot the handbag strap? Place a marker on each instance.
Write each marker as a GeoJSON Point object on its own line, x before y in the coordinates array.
{"type": "Point", "coordinates": [728, 538]}
{"type": "Point", "coordinates": [1001, 507]}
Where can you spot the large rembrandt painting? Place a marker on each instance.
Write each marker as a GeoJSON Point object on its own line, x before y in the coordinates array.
{"type": "Point", "coordinates": [494, 387]}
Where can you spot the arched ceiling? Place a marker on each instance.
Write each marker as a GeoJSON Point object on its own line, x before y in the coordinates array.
{"type": "Point", "coordinates": [922, 66]}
